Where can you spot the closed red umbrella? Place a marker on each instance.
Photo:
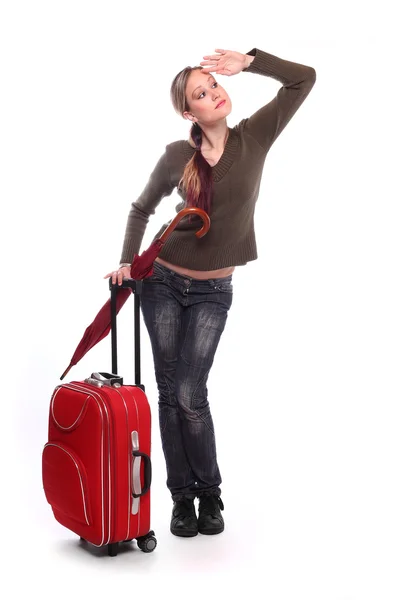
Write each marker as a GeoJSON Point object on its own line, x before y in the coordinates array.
{"type": "Point", "coordinates": [142, 266]}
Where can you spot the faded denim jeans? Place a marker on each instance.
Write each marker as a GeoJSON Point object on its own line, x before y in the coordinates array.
{"type": "Point", "coordinates": [185, 319]}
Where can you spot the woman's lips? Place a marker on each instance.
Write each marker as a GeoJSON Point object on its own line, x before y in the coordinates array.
{"type": "Point", "coordinates": [221, 103]}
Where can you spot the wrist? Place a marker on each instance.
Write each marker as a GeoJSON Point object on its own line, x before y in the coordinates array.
{"type": "Point", "coordinates": [248, 60]}
{"type": "Point", "coordinates": [125, 265]}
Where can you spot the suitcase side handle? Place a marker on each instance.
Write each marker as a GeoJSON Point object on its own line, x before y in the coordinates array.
{"type": "Point", "coordinates": [138, 491]}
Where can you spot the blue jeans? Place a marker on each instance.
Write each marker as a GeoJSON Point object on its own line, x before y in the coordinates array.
{"type": "Point", "coordinates": [185, 318]}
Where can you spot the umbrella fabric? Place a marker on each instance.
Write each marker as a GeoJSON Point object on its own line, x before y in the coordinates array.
{"type": "Point", "coordinates": [142, 266]}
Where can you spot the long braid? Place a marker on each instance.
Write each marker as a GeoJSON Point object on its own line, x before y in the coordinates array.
{"type": "Point", "coordinates": [198, 178]}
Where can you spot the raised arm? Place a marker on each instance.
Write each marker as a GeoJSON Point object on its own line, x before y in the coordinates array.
{"type": "Point", "coordinates": [266, 124]}
{"type": "Point", "coordinates": [158, 186]}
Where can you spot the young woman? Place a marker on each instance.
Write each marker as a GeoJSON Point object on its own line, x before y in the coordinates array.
{"type": "Point", "coordinates": [185, 302]}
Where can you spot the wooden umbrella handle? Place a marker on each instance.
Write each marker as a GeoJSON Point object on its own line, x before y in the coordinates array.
{"type": "Point", "coordinates": [186, 211]}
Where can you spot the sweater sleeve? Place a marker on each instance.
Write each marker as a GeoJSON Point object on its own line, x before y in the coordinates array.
{"type": "Point", "coordinates": [158, 186]}
{"type": "Point", "coordinates": [267, 123]}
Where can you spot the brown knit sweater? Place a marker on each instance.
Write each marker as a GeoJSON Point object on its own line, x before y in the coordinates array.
{"type": "Point", "coordinates": [230, 240]}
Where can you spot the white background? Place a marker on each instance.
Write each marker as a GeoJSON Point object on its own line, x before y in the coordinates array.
{"type": "Point", "coordinates": [313, 391]}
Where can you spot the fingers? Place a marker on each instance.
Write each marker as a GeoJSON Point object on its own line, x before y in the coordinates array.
{"type": "Point", "coordinates": [113, 275]}
{"type": "Point", "coordinates": [211, 62]}
{"type": "Point", "coordinates": [215, 56]}
{"type": "Point", "coordinates": [210, 65]}
{"type": "Point", "coordinates": [116, 276]}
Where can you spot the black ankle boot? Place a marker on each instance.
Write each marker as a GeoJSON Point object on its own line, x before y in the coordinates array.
{"type": "Point", "coordinates": [184, 519]}
{"type": "Point", "coordinates": [210, 520]}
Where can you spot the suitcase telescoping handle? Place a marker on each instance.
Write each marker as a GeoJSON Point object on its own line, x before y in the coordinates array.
{"type": "Point", "coordinates": [136, 286]}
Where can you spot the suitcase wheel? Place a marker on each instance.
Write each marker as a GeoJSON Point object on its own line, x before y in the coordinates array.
{"type": "Point", "coordinates": [147, 543]}
{"type": "Point", "coordinates": [112, 549]}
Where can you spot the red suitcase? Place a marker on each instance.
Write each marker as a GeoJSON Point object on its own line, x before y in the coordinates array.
{"type": "Point", "coordinates": [96, 465]}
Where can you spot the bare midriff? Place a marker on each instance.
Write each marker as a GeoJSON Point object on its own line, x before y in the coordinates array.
{"type": "Point", "coordinates": [216, 274]}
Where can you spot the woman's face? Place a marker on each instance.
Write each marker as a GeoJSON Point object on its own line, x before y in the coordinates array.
{"type": "Point", "coordinates": [204, 95]}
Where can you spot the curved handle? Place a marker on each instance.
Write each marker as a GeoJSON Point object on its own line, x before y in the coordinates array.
{"type": "Point", "coordinates": [109, 379]}
{"type": "Point", "coordinates": [185, 211]}
{"type": "Point", "coordinates": [139, 491]}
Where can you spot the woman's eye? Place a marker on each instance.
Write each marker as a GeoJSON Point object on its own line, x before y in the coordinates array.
{"type": "Point", "coordinates": [203, 93]}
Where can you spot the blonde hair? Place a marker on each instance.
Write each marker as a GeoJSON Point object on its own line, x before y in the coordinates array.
{"type": "Point", "coordinates": [197, 178]}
